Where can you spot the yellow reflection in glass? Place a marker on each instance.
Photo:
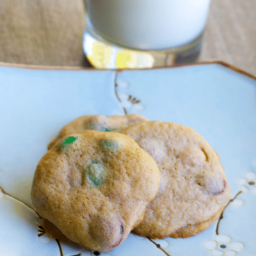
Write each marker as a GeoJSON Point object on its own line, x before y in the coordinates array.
{"type": "Point", "coordinates": [100, 55]}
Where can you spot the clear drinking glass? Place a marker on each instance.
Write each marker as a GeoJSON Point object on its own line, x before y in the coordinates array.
{"type": "Point", "coordinates": [144, 33]}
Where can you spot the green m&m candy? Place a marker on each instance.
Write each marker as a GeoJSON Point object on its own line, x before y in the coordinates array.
{"type": "Point", "coordinates": [110, 145]}
{"type": "Point", "coordinates": [67, 142]}
{"type": "Point", "coordinates": [94, 173]}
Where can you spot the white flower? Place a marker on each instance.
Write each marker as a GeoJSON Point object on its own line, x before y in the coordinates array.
{"type": "Point", "coordinates": [237, 202]}
{"type": "Point", "coordinates": [42, 237]}
{"type": "Point", "coordinates": [138, 237]}
{"type": "Point", "coordinates": [129, 102]}
{"type": "Point", "coordinates": [223, 245]}
{"type": "Point", "coordinates": [248, 183]}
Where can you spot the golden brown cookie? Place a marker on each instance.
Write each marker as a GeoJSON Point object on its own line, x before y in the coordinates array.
{"type": "Point", "coordinates": [193, 188]}
{"type": "Point", "coordinates": [98, 123]}
{"type": "Point", "coordinates": [94, 187]}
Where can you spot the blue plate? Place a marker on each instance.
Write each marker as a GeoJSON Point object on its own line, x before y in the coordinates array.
{"type": "Point", "coordinates": [215, 99]}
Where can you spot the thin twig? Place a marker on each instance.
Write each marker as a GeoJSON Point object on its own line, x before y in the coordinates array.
{"type": "Point", "coordinates": [125, 111]}
{"type": "Point", "coordinates": [28, 206]}
{"type": "Point", "coordinates": [159, 247]}
{"type": "Point", "coordinates": [221, 216]}
{"type": "Point", "coordinates": [60, 248]}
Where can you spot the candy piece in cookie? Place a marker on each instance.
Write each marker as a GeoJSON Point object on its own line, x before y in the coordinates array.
{"type": "Point", "coordinates": [94, 187]}
{"type": "Point", "coordinates": [98, 123]}
{"type": "Point", "coordinates": [193, 189]}
{"type": "Point", "coordinates": [94, 173]}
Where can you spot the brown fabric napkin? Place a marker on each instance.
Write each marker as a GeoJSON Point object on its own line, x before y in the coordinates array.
{"type": "Point", "coordinates": [230, 34]}
{"type": "Point", "coordinates": [42, 32]}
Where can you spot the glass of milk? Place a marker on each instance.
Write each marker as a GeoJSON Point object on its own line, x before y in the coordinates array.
{"type": "Point", "coordinates": [144, 33]}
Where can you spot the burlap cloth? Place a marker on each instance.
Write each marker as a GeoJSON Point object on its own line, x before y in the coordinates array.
{"type": "Point", "coordinates": [50, 32]}
{"type": "Point", "coordinates": [42, 32]}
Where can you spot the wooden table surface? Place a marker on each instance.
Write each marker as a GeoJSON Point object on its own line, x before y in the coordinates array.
{"type": "Point", "coordinates": [50, 32]}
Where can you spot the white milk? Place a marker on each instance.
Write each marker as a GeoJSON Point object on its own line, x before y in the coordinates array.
{"type": "Point", "coordinates": [148, 24]}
